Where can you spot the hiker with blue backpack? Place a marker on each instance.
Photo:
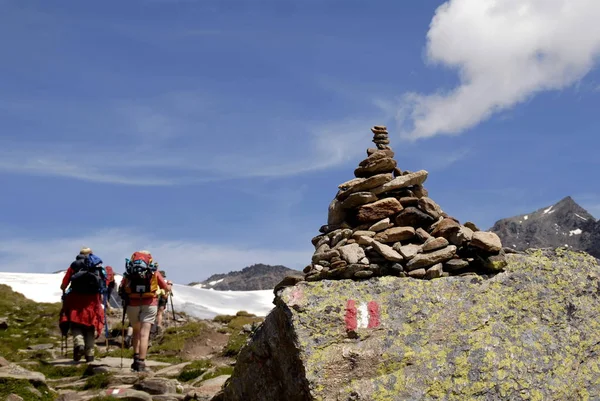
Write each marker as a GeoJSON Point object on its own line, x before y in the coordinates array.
{"type": "Point", "coordinates": [84, 290]}
{"type": "Point", "coordinates": [139, 289]}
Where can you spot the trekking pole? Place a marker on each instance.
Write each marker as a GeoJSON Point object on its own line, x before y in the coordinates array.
{"type": "Point", "coordinates": [123, 333]}
{"type": "Point", "coordinates": [172, 308]}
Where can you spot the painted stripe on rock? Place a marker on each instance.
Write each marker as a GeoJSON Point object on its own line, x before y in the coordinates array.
{"type": "Point", "coordinates": [364, 315]}
{"type": "Point", "coordinates": [350, 317]}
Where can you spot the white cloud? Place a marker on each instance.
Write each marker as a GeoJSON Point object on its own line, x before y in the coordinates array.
{"type": "Point", "coordinates": [505, 51]}
{"type": "Point", "coordinates": [184, 260]}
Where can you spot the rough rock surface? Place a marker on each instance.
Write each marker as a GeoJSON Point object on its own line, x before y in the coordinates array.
{"type": "Point", "coordinates": [531, 332]}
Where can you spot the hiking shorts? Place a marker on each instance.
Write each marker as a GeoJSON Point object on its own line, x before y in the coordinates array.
{"type": "Point", "coordinates": [143, 313]}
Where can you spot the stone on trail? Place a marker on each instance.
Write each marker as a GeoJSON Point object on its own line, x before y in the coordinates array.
{"type": "Point", "coordinates": [530, 332]}
{"type": "Point", "coordinates": [14, 371]}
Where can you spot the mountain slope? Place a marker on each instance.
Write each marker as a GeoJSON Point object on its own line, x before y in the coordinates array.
{"type": "Point", "coordinates": [562, 224]}
{"type": "Point", "coordinates": [251, 278]}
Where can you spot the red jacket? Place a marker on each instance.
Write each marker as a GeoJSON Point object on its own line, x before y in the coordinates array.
{"type": "Point", "coordinates": [84, 309]}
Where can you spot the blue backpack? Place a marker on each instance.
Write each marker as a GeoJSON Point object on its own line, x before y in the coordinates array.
{"type": "Point", "coordinates": [89, 275]}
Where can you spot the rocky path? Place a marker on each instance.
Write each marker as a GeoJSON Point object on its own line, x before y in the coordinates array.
{"type": "Point", "coordinates": [109, 377]}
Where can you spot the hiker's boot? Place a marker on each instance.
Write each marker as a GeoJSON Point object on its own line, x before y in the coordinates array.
{"type": "Point", "coordinates": [78, 352]}
{"type": "Point", "coordinates": [89, 358]}
{"type": "Point", "coordinates": [135, 364]}
{"type": "Point", "coordinates": [141, 367]}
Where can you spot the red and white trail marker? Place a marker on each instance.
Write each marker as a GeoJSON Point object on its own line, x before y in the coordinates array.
{"type": "Point", "coordinates": [361, 315]}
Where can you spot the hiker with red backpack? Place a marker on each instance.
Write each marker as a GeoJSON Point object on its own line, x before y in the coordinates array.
{"type": "Point", "coordinates": [139, 289]}
{"type": "Point", "coordinates": [83, 287]}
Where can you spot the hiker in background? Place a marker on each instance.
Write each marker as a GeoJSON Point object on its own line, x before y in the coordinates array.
{"type": "Point", "coordinates": [163, 300]}
{"type": "Point", "coordinates": [139, 290]}
{"type": "Point", "coordinates": [110, 284]}
{"type": "Point", "coordinates": [82, 287]}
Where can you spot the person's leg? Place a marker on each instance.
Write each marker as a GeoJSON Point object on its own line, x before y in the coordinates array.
{"type": "Point", "coordinates": [144, 336]}
{"type": "Point", "coordinates": [78, 341]}
{"type": "Point", "coordinates": [89, 338]}
{"type": "Point", "coordinates": [133, 313]}
{"type": "Point", "coordinates": [147, 318]}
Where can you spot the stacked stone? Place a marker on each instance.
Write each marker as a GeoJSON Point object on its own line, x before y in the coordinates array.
{"type": "Point", "coordinates": [383, 223]}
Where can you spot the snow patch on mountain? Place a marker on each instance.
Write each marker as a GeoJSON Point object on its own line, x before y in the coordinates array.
{"type": "Point", "coordinates": [198, 302]}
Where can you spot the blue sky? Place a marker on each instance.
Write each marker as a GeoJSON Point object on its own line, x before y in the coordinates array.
{"type": "Point", "coordinates": [215, 133]}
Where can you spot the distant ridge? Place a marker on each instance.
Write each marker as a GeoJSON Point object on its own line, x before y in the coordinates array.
{"type": "Point", "coordinates": [252, 278]}
{"type": "Point", "coordinates": [563, 224]}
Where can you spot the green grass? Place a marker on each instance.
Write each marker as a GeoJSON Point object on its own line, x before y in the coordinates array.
{"type": "Point", "coordinates": [57, 372]}
{"type": "Point", "coordinates": [194, 370]}
{"type": "Point", "coordinates": [22, 389]}
{"type": "Point", "coordinates": [29, 323]}
{"type": "Point", "coordinates": [223, 318]}
{"type": "Point", "coordinates": [220, 371]}
{"type": "Point", "coordinates": [98, 381]}
{"type": "Point", "coordinates": [238, 337]}
{"type": "Point", "coordinates": [175, 338]}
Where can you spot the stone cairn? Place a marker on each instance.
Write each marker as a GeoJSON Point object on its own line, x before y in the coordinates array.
{"type": "Point", "coordinates": [383, 223]}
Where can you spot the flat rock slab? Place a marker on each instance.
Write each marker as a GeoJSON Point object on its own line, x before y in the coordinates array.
{"type": "Point", "coordinates": [114, 362]}
{"type": "Point", "coordinates": [13, 371]}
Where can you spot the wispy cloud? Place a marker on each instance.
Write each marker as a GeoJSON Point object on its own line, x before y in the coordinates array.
{"type": "Point", "coordinates": [184, 260]}
{"type": "Point", "coordinates": [505, 52]}
{"type": "Point", "coordinates": [181, 138]}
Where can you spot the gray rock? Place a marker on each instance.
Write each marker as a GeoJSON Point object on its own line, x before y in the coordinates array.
{"type": "Point", "coordinates": [434, 271]}
{"type": "Point", "coordinates": [429, 206]}
{"type": "Point", "coordinates": [426, 332]}
{"type": "Point", "coordinates": [157, 385]}
{"type": "Point", "coordinates": [413, 217]}
{"type": "Point", "coordinates": [455, 264]}
{"type": "Point", "coordinates": [488, 241]}
{"type": "Point", "coordinates": [351, 253]}
{"type": "Point", "coordinates": [423, 235]}
{"type": "Point", "coordinates": [363, 274]}
{"type": "Point", "coordinates": [358, 199]}
{"type": "Point", "coordinates": [13, 371]}
{"type": "Point", "coordinates": [365, 185]}
{"type": "Point", "coordinates": [408, 251]}
{"type": "Point", "coordinates": [461, 237]}
{"type": "Point", "coordinates": [362, 233]}
{"type": "Point", "coordinates": [431, 258]}
{"type": "Point", "coordinates": [317, 257]}
{"type": "Point", "coordinates": [381, 225]}
{"type": "Point", "coordinates": [401, 182]}
{"type": "Point", "coordinates": [379, 210]}
{"type": "Point", "coordinates": [417, 273]}
{"type": "Point", "coordinates": [14, 397]}
{"type": "Point", "coordinates": [433, 244]}
{"type": "Point", "coordinates": [336, 214]}
{"type": "Point", "coordinates": [376, 166]}
{"type": "Point", "coordinates": [395, 234]}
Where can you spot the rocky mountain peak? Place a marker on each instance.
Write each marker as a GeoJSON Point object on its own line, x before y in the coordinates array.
{"type": "Point", "coordinates": [252, 278]}
{"type": "Point", "coordinates": [565, 223]}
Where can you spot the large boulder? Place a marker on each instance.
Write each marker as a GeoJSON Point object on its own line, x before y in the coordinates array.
{"type": "Point", "coordinates": [530, 332]}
